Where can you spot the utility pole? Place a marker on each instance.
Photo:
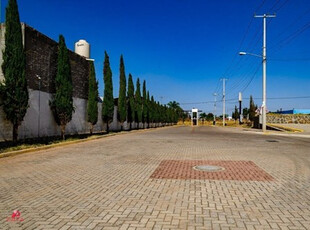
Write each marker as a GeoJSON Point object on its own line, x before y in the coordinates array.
{"type": "Point", "coordinates": [240, 108]}
{"type": "Point", "coordinates": [224, 79]}
{"type": "Point", "coordinates": [264, 103]}
{"type": "Point", "coordinates": [39, 103]}
{"type": "Point", "coordinates": [161, 99]}
{"type": "Point", "coordinates": [214, 108]}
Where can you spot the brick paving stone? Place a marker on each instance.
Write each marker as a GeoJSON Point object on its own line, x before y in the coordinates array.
{"type": "Point", "coordinates": [118, 182]}
{"type": "Point", "coordinates": [232, 170]}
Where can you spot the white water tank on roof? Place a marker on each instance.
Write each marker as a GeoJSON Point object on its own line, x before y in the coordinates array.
{"type": "Point", "coordinates": [82, 48]}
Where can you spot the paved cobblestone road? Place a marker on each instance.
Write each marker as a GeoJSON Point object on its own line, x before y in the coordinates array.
{"type": "Point", "coordinates": [110, 183]}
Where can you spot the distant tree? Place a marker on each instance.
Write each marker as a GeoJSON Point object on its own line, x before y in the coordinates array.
{"type": "Point", "coordinates": [92, 104]}
{"type": "Point", "coordinates": [221, 116]}
{"type": "Point", "coordinates": [144, 104]}
{"type": "Point", "coordinates": [207, 117]}
{"type": "Point", "coordinates": [210, 117]}
{"type": "Point", "coordinates": [148, 105]}
{"type": "Point", "coordinates": [131, 111]}
{"type": "Point", "coordinates": [158, 114]}
{"type": "Point", "coordinates": [173, 104]}
{"type": "Point", "coordinates": [152, 110]}
{"type": "Point", "coordinates": [13, 90]}
{"type": "Point", "coordinates": [164, 114]}
{"type": "Point", "coordinates": [252, 109]}
{"type": "Point", "coordinates": [121, 108]}
{"type": "Point", "coordinates": [138, 104]}
{"type": "Point", "coordinates": [62, 103]}
{"type": "Point", "coordinates": [245, 112]}
{"type": "Point", "coordinates": [203, 116]}
{"type": "Point", "coordinates": [235, 114]}
{"type": "Point", "coordinates": [177, 109]}
{"type": "Point", "coordinates": [108, 100]}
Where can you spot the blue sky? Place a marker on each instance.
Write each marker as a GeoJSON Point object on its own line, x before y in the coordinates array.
{"type": "Point", "coordinates": [183, 47]}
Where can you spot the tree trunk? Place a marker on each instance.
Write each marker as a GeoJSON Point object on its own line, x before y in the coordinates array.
{"type": "Point", "coordinates": [91, 129]}
{"type": "Point", "coordinates": [63, 129]}
{"type": "Point", "coordinates": [15, 133]}
{"type": "Point", "coordinates": [130, 126]}
{"type": "Point", "coordinates": [107, 127]}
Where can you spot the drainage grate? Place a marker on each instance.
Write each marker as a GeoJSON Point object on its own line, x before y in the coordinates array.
{"type": "Point", "coordinates": [208, 168]}
{"type": "Point", "coordinates": [272, 141]}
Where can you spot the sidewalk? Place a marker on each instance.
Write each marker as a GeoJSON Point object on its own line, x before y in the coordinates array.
{"type": "Point", "coordinates": [157, 180]}
{"type": "Point", "coordinates": [304, 134]}
{"type": "Point", "coordinates": [304, 127]}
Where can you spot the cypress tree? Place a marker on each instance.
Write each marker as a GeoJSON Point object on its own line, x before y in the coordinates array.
{"type": "Point", "coordinates": [152, 110]}
{"type": "Point", "coordinates": [165, 114]}
{"type": "Point", "coordinates": [235, 114]}
{"type": "Point", "coordinates": [138, 103]}
{"type": "Point", "coordinates": [252, 109]}
{"type": "Point", "coordinates": [108, 100]}
{"type": "Point", "coordinates": [92, 105]}
{"type": "Point", "coordinates": [148, 105]}
{"type": "Point", "coordinates": [131, 111]}
{"type": "Point", "coordinates": [14, 92]}
{"type": "Point", "coordinates": [121, 108]}
{"type": "Point", "coordinates": [144, 104]}
{"type": "Point", "coordinates": [157, 112]}
{"type": "Point", "coordinates": [62, 103]}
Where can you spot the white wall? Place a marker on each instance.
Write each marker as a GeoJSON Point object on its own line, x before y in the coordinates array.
{"type": "Point", "coordinates": [39, 120]}
{"type": "Point", "coordinates": [42, 123]}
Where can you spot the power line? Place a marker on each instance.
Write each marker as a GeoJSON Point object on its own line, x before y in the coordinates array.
{"type": "Point", "coordinates": [237, 84]}
{"type": "Point", "coordinates": [247, 98]}
{"type": "Point", "coordinates": [250, 49]}
{"type": "Point", "coordinates": [253, 76]}
{"type": "Point", "coordinates": [274, 5]}
{"type": "Point", "coordinates": [279, 8]}
{"type": "Point", "coordinates": [217, 87]}
{"type": "Point", "coordinates": [233, 60]}
{"type": "Point", "coordinates": [291, 37]}
{"type": "Point", "coordinates": [289, 59]}
{"type": "Point", "coordinates": [260, 6]}
{"type": "Point", "coordinates": [294, 22]}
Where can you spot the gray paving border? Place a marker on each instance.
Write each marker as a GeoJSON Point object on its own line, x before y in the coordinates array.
{"type": "Point", "coordinates": [35, 149]}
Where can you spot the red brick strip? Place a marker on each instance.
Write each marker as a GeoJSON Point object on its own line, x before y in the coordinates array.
{"type": "Point", "coordinates": [234, 170]}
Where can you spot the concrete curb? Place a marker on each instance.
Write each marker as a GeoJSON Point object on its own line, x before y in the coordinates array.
{"type": "Point", "coordinates": [91, 138]}
{"type": "Point", "coordinates": [268, 133]}
{"type": "Point", "coordinates": [289, 129]}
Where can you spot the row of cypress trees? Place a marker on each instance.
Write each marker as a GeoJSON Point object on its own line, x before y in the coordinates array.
{"type": "Point", "coordinates": [132, 106]}
{"type": "Point", "coordinates": [14, 91]}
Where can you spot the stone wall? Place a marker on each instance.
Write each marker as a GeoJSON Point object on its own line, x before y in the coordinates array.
{"type": "Point", "coordinates": [288, 118]}
{"type": "Point", "coordinates": [41, 60]}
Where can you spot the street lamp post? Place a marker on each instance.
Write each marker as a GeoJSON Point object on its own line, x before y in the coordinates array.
{"type": "Point", "coordinates": [39, 78]}
{"type": "Point", "coordinates": [214, 120]}
{"type": "Point", "coordinates": [264, 57]}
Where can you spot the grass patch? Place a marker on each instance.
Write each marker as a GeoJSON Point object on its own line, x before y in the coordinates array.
{"type": "Point", "coordinates": [9, 146]}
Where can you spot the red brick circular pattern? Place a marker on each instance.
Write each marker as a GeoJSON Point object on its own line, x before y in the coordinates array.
{"type": "Point", "coordinates": [234, 170]}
